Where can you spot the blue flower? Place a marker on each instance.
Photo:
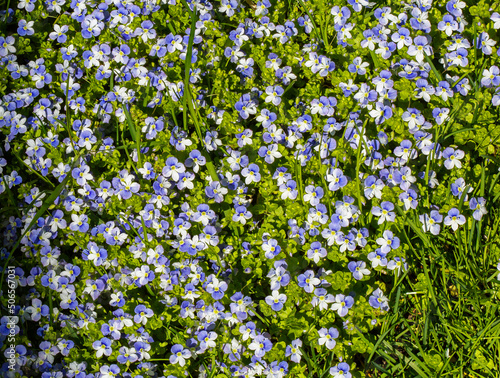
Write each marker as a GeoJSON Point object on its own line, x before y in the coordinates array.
{"type": "Point", "coordinates": [455, 7]}
{"type": "Point", "coordinates": [142, 313]}
{"type": "Point", "coordinates": [316, 251]}
{"type": "Point", "coordinates": [448, 24]}
{"type": "Point", "coordinates": [207, 339]}
{"type": "Point", "coordinates": [245, 106]}
{"type": "Point", "coordinates": [289, 190]}
{"type": "Point", "coordinates": [478, 205]}
{"type": "Point", "coordinates": [336, 179]}
{"type": "Point", "coordinates": [420, 48]}
{"type": "Point", "coordinates": [384, 212]}
{"type": "Point", "coordinates": [377, 258]}
{"type": "Point", "coordinates": [430, 222]}
{"type": "Point", "coordinates": [260, 345]}
{"type": "Point", "coordinates": [59, 33]}
{"type": "Point", "coordinates": [453, 158]}
{"type": "Point", "coordinates": [102, 347]}
{"type": "Point", "coordinates": [340, 371]}
{"type": "Point", "coordinates": [273, 94]}
{"type": "Point", "coordinates": [378, 300]}
{"type": "Point", "coordinates": [276, 300]}
{"type": "Point", "coordinates": [241, 215]}
{"type": "Point", "coordinates": [251, 173]}
{"type": "Point", "coordinates": [25, 28]}
{"type": "Point", "coordinates": [216, 288]}
{"type": "Point", "coordinates": [388, 241]}
{"type": "Point", "coordinates": [179, 355]}
{"type": "Point", "coordinates": [381, 113]}
{"type": "Point", "coordinates": [234, 350]}
{"type": "Point", "coordinates": [327, 337]}
{"type": "Point", "coordinates": [308, 281]}
{"type": "Point", "coordinates": [358, 269]}
{"type": "Point", "coordinates": [358, 66]}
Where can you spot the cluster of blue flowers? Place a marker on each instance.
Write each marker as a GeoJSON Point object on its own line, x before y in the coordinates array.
{"type": "Point", "coordinates": [167, 247]}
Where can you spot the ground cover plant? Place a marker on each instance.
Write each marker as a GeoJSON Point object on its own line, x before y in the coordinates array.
{"type": "Point", "coordinates": [249, 189]}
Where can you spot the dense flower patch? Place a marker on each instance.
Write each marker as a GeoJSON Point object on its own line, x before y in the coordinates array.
{"type": "Point", "coordinates": [230, 187]}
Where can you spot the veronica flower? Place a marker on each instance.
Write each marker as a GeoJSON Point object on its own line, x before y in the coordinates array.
{"type": "Point", "coordinates": [431, 222]}
{"type": "Point", "coordinates": [195, 160]}
{"type": "Point", "coordinates": [440, 114]}
{"type": "Point", "coordinates": [102, 347]}
{"type": "Point", "coordinates": [117, 299]}
{"type": "Point", "coordinates": [358, 269]}
{"type": "Point", "coordinates": [384, 212]}
{"type": "Point", "coordinates": [207, 339]}
{"type": "Point", "coordinates": [216, 191]}
{"type": "Point", "coordinates": [340, 371]}
{"type": "Point", "coordinates": [245, 106]}
{"type": "Point", "coordinates": [388, 241]}
{"type": "Point", "coordinates": [336, 179]}
{"type": "Point", "coordinates": [424, 90]}
{"type": "Point", "coordinates": [402, 38]}
{"type": "Point", "coordinates": [358, 66]}
{"type": "Point", "coordinates": [381, 113]}
{"type": "Point", "coordinates": [289, 190]}
{"type": "Point", "coordinates": [29, 5]}
{"type": "Point", "coordinates": [453, 157]}
{"type": "Point", "coordinates": [59, 33]}
{"type": "Point", "coordinates": [313, 194]}
{"type": "Point", "coordinates": [37, 310]}
{"type": "Point", "coordinates": [248, 331]}
{"type": "Point", "coordinates": [420, 48]}
{"type": "Point", "coordinates": [448, 24]}
{"type": "Point", "coordinates": [379, 300]}
{"type": "Point", "coordinates": [321, 299]}
{"type": "Point", "coordinates": [79, 223]}
{"type": "Point", "coordinates": [270, 153]}
{"type": "Point", "coordinates": [479, 207]}
{"type": "Point", "coordinates": [495, 17]}
{"type": "Point", "coordinates": [373, 187]}
{"type": "Point", "coordinates": [308, 281]}
{"type": "Point", "coordinates": [234, 350]}
{"type": "Point", "coordinates": [279, 277]}
{"type": "Point", "coordinates": [285, 74]}
{"type": "Point", "coordinates": [142, 313]}
{"type": "Point", "coordinates": [383, 81]}
{"type": "Point", "coordinates": [266, 117]}
{"type": "Point", "coordinates": [316, 251]}
{"type": "Point", "coordinates": [377, 258]}
{"type": "Point", "coordinates": [274, 94]}
{"type": "Point", "coordinates": [251, 173]}
{"type": "Point", "coordinates": [7, 45]}
{"type": "Point", "coordinates": [216, 288]}
{"type": "Point", "coordinates": [397, 264]}
{"type": "Point", "coordinates": [25, 28]}
{"type": "Point", "coordinates": [491, 77]}
{"type": "Point", "coordinates": [179, 355]}
{"type": "Point", "coordinates": [244, 138]}
{"type": "Point", "coordinates": [276, 300]}
{"type": "Point", "coordinates": [212, 142]}
{"type": "Point", "coordinates": [413, 117]}
{"type": "Point", "coordinates": [260, 345]}
{"type": "Point", "coordinates": [241, 215]}
{"type": "Point", "coordinates": [94, 253]}
{"type": "Point", "coordinates": [203, 214]}
{"type": "Point", "coordinates": [386, 49]}
{"type": "Point", "coordinates": [293, 350]}
{"type": "Point", "coordinates": [485, 43]}
{"type": "Point", "coordinates": [271, 248]}
{"type": "Point", "coordinates": [327, 337]}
